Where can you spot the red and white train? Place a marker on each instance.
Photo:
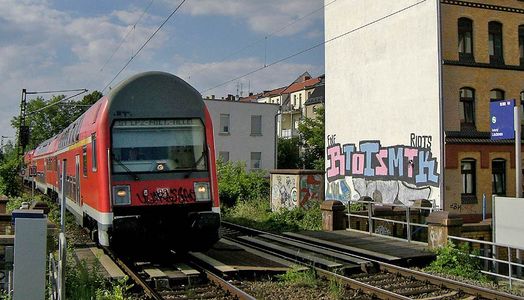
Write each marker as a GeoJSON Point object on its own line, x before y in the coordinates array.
{"type": "Point", "coordinates": [140, 162]}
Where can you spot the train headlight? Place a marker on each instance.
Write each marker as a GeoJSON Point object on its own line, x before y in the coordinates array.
{"type": "Point", "coordinates": [121, 195]}
{"type": "Point", "coordinates": [202, 191]}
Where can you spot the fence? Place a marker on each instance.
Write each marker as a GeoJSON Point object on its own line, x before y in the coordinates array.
{"type": "Point", "coordinates": [493, 254]}
{"type": "Point", "coordinates": [410, 218]}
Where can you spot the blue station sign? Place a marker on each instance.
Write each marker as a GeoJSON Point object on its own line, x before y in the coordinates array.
{"type": "Point", "coordinates": [501, 119]}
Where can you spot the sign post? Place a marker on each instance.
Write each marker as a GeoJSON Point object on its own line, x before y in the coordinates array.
{"type": "Point", "coordinates": [505, 124]}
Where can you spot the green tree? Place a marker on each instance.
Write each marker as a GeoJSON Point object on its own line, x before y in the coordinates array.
{"type": "Point", "coordinates": [9, 183]}
{"type": "Point", "coordinates": [288, 156]}
{"type": "Point", "coordinates": [312, 138]}
{"type": "Point", "coordinates": [46, 120]}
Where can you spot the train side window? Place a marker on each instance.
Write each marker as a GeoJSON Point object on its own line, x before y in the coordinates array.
{"type": "Point", "coordinates": [84, 160]}
{"type": "Point", "coordinates": [94, 162]}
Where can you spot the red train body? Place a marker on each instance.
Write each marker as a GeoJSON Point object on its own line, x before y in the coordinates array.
{"type": "Point", "coordinates": [140, 160]}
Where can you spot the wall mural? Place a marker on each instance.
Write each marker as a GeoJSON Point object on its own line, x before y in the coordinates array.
{"type": "Point", "coordinates": [392, 174]}
{"type": "Point", "coordinates": [289, 191]}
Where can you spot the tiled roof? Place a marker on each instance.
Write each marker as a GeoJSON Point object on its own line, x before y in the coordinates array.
{"type": "Point", "coordinates": [294, 87]}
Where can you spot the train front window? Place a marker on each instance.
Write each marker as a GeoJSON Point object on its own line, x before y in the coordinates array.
{"type": "Point", "coordinates": [146, 146]}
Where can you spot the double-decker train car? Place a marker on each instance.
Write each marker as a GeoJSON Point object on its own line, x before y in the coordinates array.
{"type": "Point", "coordinates": [140, 162]}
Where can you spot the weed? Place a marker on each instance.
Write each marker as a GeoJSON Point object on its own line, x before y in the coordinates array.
{"type": "Point", "coordinates": [336, 288]}
{"type": "Point", "coordinates": [457, 261]}
{"type": "Point", "coordinates": [298, 277]}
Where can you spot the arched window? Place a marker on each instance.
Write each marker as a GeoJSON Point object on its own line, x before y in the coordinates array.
{"type": "Point", "coordinates": [495, 43]}
{"type": "Point", "coordinates": [469, 180]}
{"type": "Point", "coordinates": [467, 107]}
{"type": "Point", "coordinates": [496, 94]}
{"type": "Point", "coordinates": [498, 178]}
{"type": "Point", "coordinates": [521, 44]}
{"type": "Point", "coordinates": [465, 39]}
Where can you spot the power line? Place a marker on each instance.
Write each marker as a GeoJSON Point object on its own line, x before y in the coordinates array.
{"type": "Point", "coordinates": [127, 34]}
{"type": "Point", "coordinates": [54, 92]}
{"type": "Point", "coordinates": [316, 46]}
{"type": "Point", "coordinates": [146, 42]}
{"type": "Point", "coordinates": [265, 38]}
{"type": "Point", "coordinates": [55, 103]}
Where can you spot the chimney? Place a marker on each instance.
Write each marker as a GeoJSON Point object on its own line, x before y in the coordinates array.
{"type": "Point", "coordinates": [251, 94]}
{"type": "Point", "coordinates": [212, 96]}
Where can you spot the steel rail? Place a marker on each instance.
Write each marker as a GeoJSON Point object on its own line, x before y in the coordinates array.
{"type": "Point", "coordinates": [434, 279]}
{"type": "Point", "coordinates": [224, 284]}
{"type": "Point", "coordinates": [150, 291]}
{"type": "Point", "coordinates": [354, 284]}
{"type": "Point", "coordinates": [451, 284]}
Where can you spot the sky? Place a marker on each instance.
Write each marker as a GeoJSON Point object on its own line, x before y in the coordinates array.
{"type": "Point", "coordinates": [62, 44]}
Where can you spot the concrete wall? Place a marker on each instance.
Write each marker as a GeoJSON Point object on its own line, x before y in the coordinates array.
{"type": "Point", "coordinates": [382, 101]}
{"type": "Point", "coordinates": [239, 142]}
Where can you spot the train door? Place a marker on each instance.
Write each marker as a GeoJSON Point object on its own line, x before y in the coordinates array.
{"type": "Point", "coordinates": [77, 180]}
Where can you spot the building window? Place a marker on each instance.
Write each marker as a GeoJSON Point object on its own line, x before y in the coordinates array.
{"type": "Point", "coordinates": [94, 160]}
{"type": "Point", "coordinates": [224, 123]}
{"type": "Point", "coordinates": [255, 160]}
{"type": "Point", "coordinates": [300, 101]}
{"type": "Point", "coordinates": [469, 189]}
{"type": "Point", "coordinates": [224, 156]}
{"type": "Point", "coordinates": [256, 125]}
{"type": "Point", "coordinates": [521, 44]}
{"type": "Point", "coordinates": [495, 43]}
{"type": "Point", "coordinates": [496, 95]}
{"type": "Point", "coordinates": [498, 179]}
{"type": "Point", "coordinates": [467, 100]}
{"type": "Point", "coordinates": [465, 39]}
{"type": "Point", "coordinates": [294, 101]}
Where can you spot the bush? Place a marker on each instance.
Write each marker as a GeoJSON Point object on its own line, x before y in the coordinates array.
{"type": "Point", "coordinates": [235, 183]}
{"type": "Point", "coordinates": [257, 214]}
{"type": "Point", "coordinates": [456, 260]}
{"type": "Point", "coordinates": [9, 179]}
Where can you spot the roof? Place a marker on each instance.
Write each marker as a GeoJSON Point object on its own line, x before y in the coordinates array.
{"type": "Point", "coordinates": [298, 86]}
{"type": "Point", "coordinates": [317, 96]}
{"type": "Point", "coordinates": [250, 98]}
{"type": "Point", "coordinates": [472, 136]}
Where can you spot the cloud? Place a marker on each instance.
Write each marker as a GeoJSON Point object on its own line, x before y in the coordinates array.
{"type": "Point", "coordinates": [264, 17]}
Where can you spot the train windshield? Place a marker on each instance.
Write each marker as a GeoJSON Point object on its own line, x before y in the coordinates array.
{"type": "Point", "coordinates": [150, 146]}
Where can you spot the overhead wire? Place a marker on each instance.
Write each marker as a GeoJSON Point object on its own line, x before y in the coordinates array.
{"type": "Point", "coordinates": [127, 34]}
{"type": "Point", "coordinates": [143, 45]}
{"type": "Point", "coordinates": [315, 46]}
{"type": "Point", "coordinates": [249, 45]}
{"type": "Point", "coordinates": [57, 102]}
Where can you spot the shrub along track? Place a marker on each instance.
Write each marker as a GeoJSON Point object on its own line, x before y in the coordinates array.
{"type": "Point", "coordinates": [384, 281]}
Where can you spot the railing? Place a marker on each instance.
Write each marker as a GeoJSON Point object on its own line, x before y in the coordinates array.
{"type": "Point", "coordinates": [371, 219]}
{"type": "Point", "coordinates": [489, 253]}
{"type": "Point", "coordinates": [288, 133]}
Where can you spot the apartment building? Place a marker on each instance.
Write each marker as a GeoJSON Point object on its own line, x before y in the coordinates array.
{"type": "Point", "coordinates": [407, 105]}
{"type": "Point", "coordinates": [245, 131]}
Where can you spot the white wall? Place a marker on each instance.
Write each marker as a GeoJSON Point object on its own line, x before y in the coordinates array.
{"type": "Point", "coordinates": [240, 143]}
{"type": "Point", "coordinates": [382, 97]}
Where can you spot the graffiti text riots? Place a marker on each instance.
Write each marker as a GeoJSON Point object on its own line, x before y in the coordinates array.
{"type": "Point", "coordinates": [410, 164]}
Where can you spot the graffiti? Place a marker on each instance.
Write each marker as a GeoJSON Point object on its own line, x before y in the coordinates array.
{"type": "Point", "coordinates": [167, 196]}
{"type": "Point", "coordinates": [382, 230]}
{"type": "Point", "coordinates": [284, 191]}
{"type": "Point", "coordinates": [310, 189]}
{"type": "Point", "coordinates": [393, 191]}
{"type": "Point", "coordinates": [463, 208]}
{"type": "Point", "coordinates": [413, 165]}
{"type": "Point", "coordinates": [289, 191]}
{"type": "Point", "coordinates": [455, 206]}
{"type": "Point", "coordinates": [436, 237]}
{"type": "Point", "coordinates": [394, 174]}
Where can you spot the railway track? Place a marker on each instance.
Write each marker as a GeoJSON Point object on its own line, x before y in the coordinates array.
{"type": "Point", "coordinates": [375, 278]}
{"type": "Point", "coordinates": [175, 277]}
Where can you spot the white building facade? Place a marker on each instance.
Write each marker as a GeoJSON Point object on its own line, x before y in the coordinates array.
{"type": "Point", "coordinates": [245, 131]}
{"type": "Point", "coordinates": [383, 115]}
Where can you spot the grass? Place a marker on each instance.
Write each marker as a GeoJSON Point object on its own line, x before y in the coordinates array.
{"type": "Point", "coordinates": [298, 277]}
{"type": "Point", "coordinates": [257, 214]}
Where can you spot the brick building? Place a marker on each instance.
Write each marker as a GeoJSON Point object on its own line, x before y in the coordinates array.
{"type": "Point", "coordinates": [407, 104]}
{"type": "Point", "coordinates": [486, 64]}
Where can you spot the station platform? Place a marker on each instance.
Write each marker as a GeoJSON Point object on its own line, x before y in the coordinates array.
{"type": "Point", "coordinates": [390, 250]}
{"type": "Point", "coordinates": [108, 269]}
